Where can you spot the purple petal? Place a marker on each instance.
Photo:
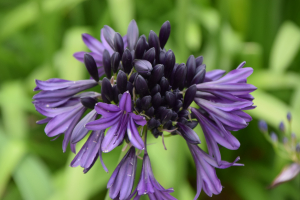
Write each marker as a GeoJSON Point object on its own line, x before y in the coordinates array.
{"type": "Point", "coordinates": [80, 131]}
{"type": "Point", "coordinates": [103, 123]}
{"type": "Point", "coordinates": [92, 43]}
{"type": "Point", "coordinates": [138, 119]}
{"type": "Point", "coordinates": [287, 174]}
{"type": "Point", "coordinates": [107, 37]}
{"type": "Point", "coordinates": [125, 102]}
{"type": "Point", "coordinates": [188, 134]}
{"type": "Point", "coordinates": [79, 55]}
{"type": "Point", "coordinates": [214, 75]}
{"type": "Point", "coordinates": [132, 34]}
{"type": "Point", "coordinates": [133, 135]}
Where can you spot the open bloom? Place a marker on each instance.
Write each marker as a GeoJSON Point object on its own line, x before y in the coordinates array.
{"type": "Point", "coordinates": [121, 119]}
{"type": "Point", "coordinates": [149, 185]}
{"type": "Point", "coordinates": [206, 174]}
{"type": "Point", "coordinates": [121, 181]}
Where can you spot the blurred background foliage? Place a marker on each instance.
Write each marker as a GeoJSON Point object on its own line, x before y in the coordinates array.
{"type": "Point", "coordinates": [38, 38]}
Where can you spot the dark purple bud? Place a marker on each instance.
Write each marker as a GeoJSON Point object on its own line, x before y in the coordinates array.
{"type": "Point", "coordinates": [182, 120]}
{"type": "Point", "coordinates": [170, 98]}
{"type": "Point", "coordinates": [149, 55]}
{"type": "Point", "coordinates": [106, 90]}
{"type": "Point", "coordinates": [162, 57]}
{"type": "Point", "coordinates": [143, 67]}
{"type": "Point", "coordinates": [262, 125]}
{"type": "Point", "coordinates": [129, 87]}
{"type": "Point", "coordinates": [156, 74]}
{"type": "Point", "coordinates": [138, 104]}
{"type": "Point", "coordinates": [133, 76]}
{"type": "Point", "coordinates": [172, 75]}
{"type": "Point", "coordinates": [191, 69]}
{"type": "Point", "coordinates": [122, 82]}
{"type": "Point", "coordinates": [189, 96]}
{"type": "Point", "coordinates": [127, 61]}
{"type": "Point", "coordinates": [180, 75]}
{"type": "Point", "coordinates": [115, 61]}
{"type": "Point", "coordinates": [200, 67]}
{"type": "Point", "coordinates": [146, 101]}
{"type": "Point", "coordinates": [199, 60]}
{"type": "Point", "coordinates": [132, 34]}
{"type": "Point", "coordinates": [289, 116]}
{"type": "Point", "coordinates": [164, 33]}
{"type": "Point", "coordinates": [174, 116]}
{"type": "Point", "coordinates": [153, 123]}
{"type": "Point", "coordinates": [178, 105]}
{"type": "Point", "coordinates": [192, 124]}
{"type": "Point", "coordinates": [164, 85]}
{"type": "Point", "coordinates": [169, 63]}
{"type": "Point", "coordinates": [91, 66]}
{"type": "Point", "coordinates": [141, 47]}
{"type": "Point", "coordinates": [159, 111]}
{"type": "Point", "coordinates": [178, 94]}
{"type": "Point", "coordinates": [118, 44]}
{"type": "Point", "coordinates": [166, 115]}
{"type": "Point", "coordinates": [199, 77]}
{"type": "Point", "coordinates": [141, 86]}
{"type": "Point", "coordinates": [106, 63]}
{"type": "Point", "coordinates": [168, 125]}
{"type": "Point", "coordinates": [156, 132]}
{"type": "Point", "coordinates": [88, 102]}
{"type": "Point", "coordinates": [115, 94]}
{"type": "Point", "coordinates": [156, 100]}
{"type": "Point", "coordinates": [183, 113]}
{"type": "Point", "coordinates": [155, 90]}
{"type": "Point", "coordinates": [153, 41]}
{"type": "Point", "coordinates": [150, 112]}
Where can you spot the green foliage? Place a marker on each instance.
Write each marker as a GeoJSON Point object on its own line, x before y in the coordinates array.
{"type": "Point", "coordinates": [38, 38]}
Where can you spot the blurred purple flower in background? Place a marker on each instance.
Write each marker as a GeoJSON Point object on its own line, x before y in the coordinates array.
{"type": "Point", "coordinates": [144, 89]}
{"type": "Point", "coordinates": [288, 149]}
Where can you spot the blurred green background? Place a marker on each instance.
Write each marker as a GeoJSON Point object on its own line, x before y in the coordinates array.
{"type": "Point", "coordinates": [38, 38]}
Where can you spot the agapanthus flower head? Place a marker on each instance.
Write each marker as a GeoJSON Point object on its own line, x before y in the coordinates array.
{"type": "Point", "coordinates": [142, 89]}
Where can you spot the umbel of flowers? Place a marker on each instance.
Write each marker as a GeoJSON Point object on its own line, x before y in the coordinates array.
{"type": "Point", "coordinates": [144, 89]}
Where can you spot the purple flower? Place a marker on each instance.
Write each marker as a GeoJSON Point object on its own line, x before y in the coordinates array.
{"type": "Point", "coordinates": [149, 185]}
{"type": "Point", "coordinates": [121, 119]}
{"type": "Point", "coordinates": [206, 174]}
{"type": "Point", "coordinates": [64, 118]}
{"type": "Point", "coordinates": [121, 181]}
{"type": "Point", "coordinates": [215, 134]}
{"type": "Point", "coordinates": [108, 43]}
{"type": "Point", "coordinates": [55, 92]}
{"type": "Point", "coordinates": [89, 152]}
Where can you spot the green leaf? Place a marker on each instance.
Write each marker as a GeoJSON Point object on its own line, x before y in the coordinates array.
{"type": "Point", "coordinates": [12, 102]}
{"type": "Point", "coordinates": [33, 179]}
{"type": "Point", "coordinates": [272, 110]}
{"type": "Point", "coordinates": [285, 48]}
{"type": "Point", "coordinates": [28, 13]}
{"type": "Point", "coordinates": [193, 36]}
{"type": "Point", "coordinates": [11, 153]}
{"type": "Point", "coordinates": [68, 67]}
{"type": "Point", "coordinates": [267, 79]}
